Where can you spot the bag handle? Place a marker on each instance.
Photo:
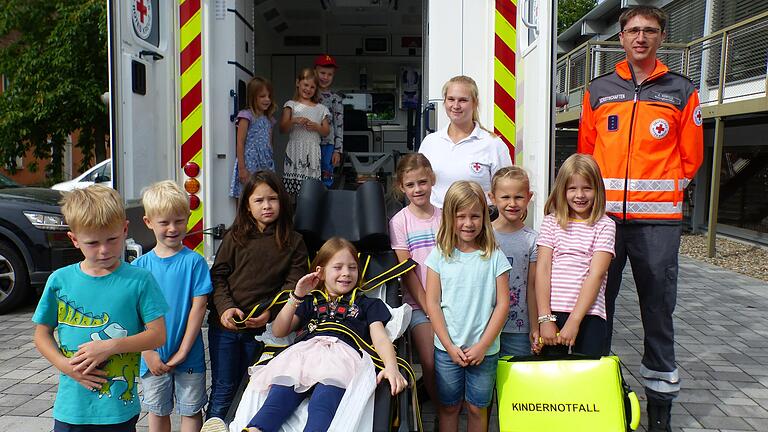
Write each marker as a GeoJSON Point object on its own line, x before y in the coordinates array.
{"type": "Point", "coordinates": [552, 357]}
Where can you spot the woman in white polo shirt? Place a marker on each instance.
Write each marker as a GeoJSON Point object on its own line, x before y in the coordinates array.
{"type": "Point", "coordinates": [463, 150]}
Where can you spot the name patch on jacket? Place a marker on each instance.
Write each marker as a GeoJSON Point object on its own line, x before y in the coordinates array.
{"type": "Point", "coordinates": [662, 97]}
{"type": "Point", "coordinates": [613, 122]}
{"type": "Point", "coordinates": [612, 98]}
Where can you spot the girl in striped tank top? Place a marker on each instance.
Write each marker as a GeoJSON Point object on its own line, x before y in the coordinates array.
{"type": "Point", "coordinates": [575, 247]}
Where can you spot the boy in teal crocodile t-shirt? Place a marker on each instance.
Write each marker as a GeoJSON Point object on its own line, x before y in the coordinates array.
{"type": "Point", "coordinates": [105, 311]}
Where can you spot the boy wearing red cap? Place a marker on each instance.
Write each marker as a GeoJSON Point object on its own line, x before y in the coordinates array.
{"type": "Point", "coordinates": [331, 146]}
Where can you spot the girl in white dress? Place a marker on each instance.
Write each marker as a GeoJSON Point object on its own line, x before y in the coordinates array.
{"type": "Point", "coordinates": [307, 121]}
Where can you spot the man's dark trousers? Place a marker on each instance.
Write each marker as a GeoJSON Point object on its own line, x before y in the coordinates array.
{"type": "Point", "coordinates": [652, 250]}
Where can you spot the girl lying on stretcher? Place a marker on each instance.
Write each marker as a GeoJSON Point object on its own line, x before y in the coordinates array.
{"type": "Point", "coordinates": [323, 361]}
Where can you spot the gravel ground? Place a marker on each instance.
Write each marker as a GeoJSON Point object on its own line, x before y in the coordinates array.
{"type": "Point", "coordinates": [743, 258]}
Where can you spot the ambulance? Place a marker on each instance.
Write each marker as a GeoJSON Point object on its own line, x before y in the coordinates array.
{"type": "Point", "coordinates": [178, 71]}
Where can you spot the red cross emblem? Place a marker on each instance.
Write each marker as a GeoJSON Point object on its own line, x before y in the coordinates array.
{"type": "Point", "coordinates": [476, 167]}
{"type": "Point", "coordinates": [697, 118]}
{"type": "Point", "coordinates": [659, 128]}
{"type": "Point", "coordinates": [142, 17]}
{"type": "Point", "coordinates": [141, 8]}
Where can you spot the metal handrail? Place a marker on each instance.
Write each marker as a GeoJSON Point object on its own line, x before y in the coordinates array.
{"type": "Point", "coordinates": [722, 38]}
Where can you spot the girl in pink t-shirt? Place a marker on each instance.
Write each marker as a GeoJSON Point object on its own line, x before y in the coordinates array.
{"type": "Point", "coordinates": [575, 248]}
{"type": "Point", "coordinates": [412, 234]}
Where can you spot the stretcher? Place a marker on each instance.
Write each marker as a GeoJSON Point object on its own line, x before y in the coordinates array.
{"type": "Point", "coordinates": [358, 216]}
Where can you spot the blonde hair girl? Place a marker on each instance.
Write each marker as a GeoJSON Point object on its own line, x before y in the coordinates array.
{"type": "Point", "coordinates": [254, 134]}
{"type": "Point", "coordinates": [464, 195]}
{"type": "Point", "coordinates": [474, 93]}
{"type": "Point", "coordinates": [468, 303]}
{"type": "Point", "coordinates": [306, 121]}
{"type": "Point", "coordinates": [558, 204]}
{"type": "Point", "coordinates": [576, 245]}
{"type": "Point", "coordinates": [412, 235]}
{"type": "Point", "coordinates": [463, 149]}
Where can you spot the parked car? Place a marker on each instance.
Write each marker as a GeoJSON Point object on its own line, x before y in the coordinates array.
{"type": "Point", "coordinates": [101, 173]}
{"type": "Point", "coordinates": [33, 240]}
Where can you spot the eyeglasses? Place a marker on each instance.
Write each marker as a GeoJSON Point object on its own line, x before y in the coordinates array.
{"type": "Point", "coordinates": [647, 31]}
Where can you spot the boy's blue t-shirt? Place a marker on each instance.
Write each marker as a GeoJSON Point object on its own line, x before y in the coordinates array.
{"type": "Point", "coordinates": [181, 277]}
{"type": "Point", "coordinates": [468, 293]}
{"type": "Point", "coordinates": [83, 308]}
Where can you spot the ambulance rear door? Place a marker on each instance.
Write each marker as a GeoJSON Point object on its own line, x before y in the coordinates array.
{"type": "Point", "coordinates": [229, 60]}
{"type": "Point", "coordinates": [460, 41]}
{"type": "Point", "coordinates": [142, 86]}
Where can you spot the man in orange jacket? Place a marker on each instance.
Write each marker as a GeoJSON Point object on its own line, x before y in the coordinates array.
{"type": "Point", "coordinates": [642, 124]}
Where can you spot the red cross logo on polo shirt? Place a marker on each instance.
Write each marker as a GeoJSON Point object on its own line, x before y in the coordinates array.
{"type": "Point", "coordinates": [142, 8]}
{"type": "Point", "coordinates": [659, 128]}
{"type": "Point", "coordinates": [476, 166]}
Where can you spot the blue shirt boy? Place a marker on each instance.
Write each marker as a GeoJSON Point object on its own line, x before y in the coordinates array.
{"type": "Point", "coordinates": [181, 277]}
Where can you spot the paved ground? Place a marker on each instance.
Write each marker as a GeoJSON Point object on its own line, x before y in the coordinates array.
{"type": "Point", "coordinates": [722, 351]}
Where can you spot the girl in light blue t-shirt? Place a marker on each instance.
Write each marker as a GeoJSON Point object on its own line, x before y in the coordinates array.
{"type": "Point", "coordinates": [468, 303]}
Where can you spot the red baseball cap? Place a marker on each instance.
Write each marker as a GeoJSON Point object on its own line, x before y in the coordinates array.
{"type": "Point", "coordinates": [325, 60]}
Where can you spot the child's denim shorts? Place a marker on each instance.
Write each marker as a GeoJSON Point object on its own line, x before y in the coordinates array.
{"type": "Point", "coordinates": [128, 426]}
{"type": "Point", "coordinates": [186, 389]}
{"type": "Point", "coordinates": [473, 384]}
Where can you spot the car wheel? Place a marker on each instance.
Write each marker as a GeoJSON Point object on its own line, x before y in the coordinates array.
{"type": "Point", "coordinates": [14, 279]}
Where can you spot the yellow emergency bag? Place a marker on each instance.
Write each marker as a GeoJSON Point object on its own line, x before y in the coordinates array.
{"type": "Point", "coordinates": [574, 393]}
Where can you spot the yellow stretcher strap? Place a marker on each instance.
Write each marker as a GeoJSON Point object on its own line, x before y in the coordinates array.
{"type": "Point", "coordinates": [395, 271]}
{"type": "Point", "coordinates": [282, 297]}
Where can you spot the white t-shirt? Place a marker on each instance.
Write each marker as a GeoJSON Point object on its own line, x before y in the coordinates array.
{"type": "Point", "coordinates": [476, 158]}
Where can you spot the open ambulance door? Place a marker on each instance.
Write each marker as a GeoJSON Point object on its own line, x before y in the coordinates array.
{"type": "Point", "coordinates": [142, 69]}
{"type": "Point", "coordinates": [460, 41]}
{"type": "Point", "coordinates": [178, 72]}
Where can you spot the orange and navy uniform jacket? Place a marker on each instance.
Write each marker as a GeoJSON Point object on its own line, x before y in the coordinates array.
{"type": "Point", "coordinates": [647, 139]}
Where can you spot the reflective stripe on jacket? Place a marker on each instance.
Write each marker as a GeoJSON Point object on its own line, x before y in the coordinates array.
{"type": "Point", "coordinates": [647, 139]}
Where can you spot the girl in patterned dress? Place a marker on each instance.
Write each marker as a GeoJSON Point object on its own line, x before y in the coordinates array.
{"type": "Point", "coordinates": [307, 121]}
{"type": "Point", "coordinates": [254, 134]}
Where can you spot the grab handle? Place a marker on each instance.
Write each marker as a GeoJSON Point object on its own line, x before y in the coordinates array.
{"type": "Point", "coordinates": [635, 408]}
{"type": "Point", "coordinates": [233, 95]}
{"type": "Point", "coordinates": [526, 19]}
{"type": "Point", "coordinates": [430, 106]}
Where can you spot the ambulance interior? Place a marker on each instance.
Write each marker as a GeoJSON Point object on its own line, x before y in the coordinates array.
{"type": "Point", "coordinates": [377, 45]}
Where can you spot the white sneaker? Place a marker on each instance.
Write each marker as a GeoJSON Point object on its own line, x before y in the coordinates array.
{"type": "Point", "coordinates": [214, 424]}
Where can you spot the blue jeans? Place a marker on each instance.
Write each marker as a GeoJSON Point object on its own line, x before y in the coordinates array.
{"type": "Point", "coordinates": [231, 353]}
{"type": "Point", "coordinates": [473, 384]}
{"type": "Point", "coordinates": [326, 164]}
{"type": "Point", "coordinates": [282, 401]}
{"type": "Point", "coordinates": [514, 344]}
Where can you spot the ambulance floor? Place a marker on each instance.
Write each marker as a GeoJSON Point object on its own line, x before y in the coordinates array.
{"type": "Point", "coordinates": [722, 353]}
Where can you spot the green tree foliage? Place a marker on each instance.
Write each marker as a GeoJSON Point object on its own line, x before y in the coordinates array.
{"type": "Point", "coordinates": [570, 11]}
{"type": "Point", "coordinates": [54, 57]}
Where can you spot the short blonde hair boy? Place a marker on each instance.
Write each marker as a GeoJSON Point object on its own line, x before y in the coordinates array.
{"type": "Point", "coordinates": [164, 198]}
{"type": "Point", "coordinates": [93, 208]}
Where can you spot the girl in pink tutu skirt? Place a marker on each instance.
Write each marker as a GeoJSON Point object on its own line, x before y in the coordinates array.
{"type": "Point", "coordinates": [323, 362]}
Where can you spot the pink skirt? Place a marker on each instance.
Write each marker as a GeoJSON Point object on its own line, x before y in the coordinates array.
{"type": "Point", "coordinates": [322, 359]}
